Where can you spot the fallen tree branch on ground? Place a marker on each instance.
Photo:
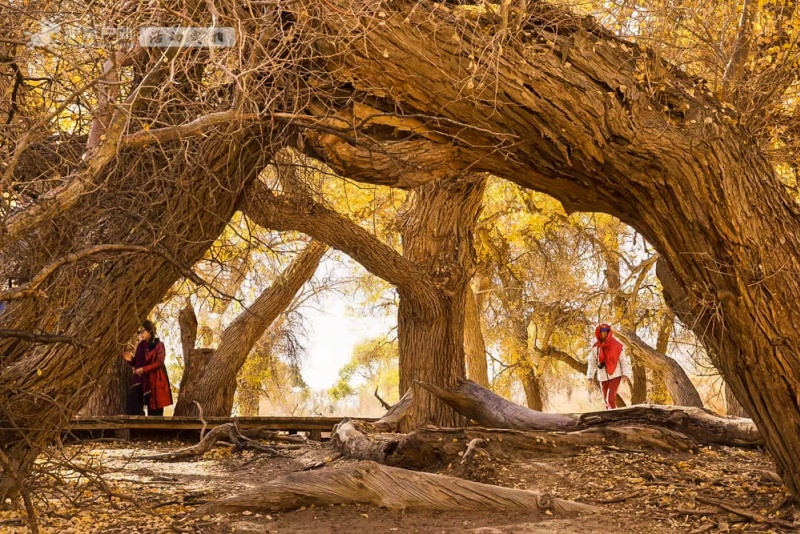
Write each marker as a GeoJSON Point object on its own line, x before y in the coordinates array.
{"type": "Point", "coordinates": [492, 411]}
{"type": "Point", "coordinates": [383, 402]}
{"type": "Point", "coordinates": [753, 516]}
{"type": "Point", "coordinates": [228, 431]}
{"type": "Point", "coordinates": [350, 437]}
{"type": "Point", "coordinates": [392, 488]}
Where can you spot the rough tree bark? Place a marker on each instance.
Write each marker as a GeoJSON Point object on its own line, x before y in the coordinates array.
{"type": "Point", "coordinates": [492, 411]}
{"type": "Point", "coordinates": [195, 360]}
{"type": "Point", "coordinates": [593, 134]}
{"type": "Point", "coordinates": [732, 406]}
{"type": "Point", "coordinates": [431, 276]}
{"type": "Point", "coordinates": [215, 388]}
{"type": "Point", "coordinates": [392, 488]}
{"type": "Point", "coordinates": [437, 234]}
{"type": "Point", "coordinates": [474, 345]}
{"type": "Point", "coordinates": [110, 392]}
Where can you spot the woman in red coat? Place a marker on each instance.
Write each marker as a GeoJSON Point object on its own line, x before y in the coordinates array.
{"type": "Point", "coordinates": [150, 384]}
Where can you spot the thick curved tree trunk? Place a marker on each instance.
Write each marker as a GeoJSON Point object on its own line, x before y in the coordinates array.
{"type": "Point", "coordinates": [568, 113]}
{"type": "Point", "coordinates": [215, 388]}
{"type": "Point", "coordinates": [113, 299]}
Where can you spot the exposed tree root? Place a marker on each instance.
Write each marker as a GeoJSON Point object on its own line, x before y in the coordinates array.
{"type": "Point", "coordinates": [430, 447]}
{"type": "Point", "coordinates": [392, 488]}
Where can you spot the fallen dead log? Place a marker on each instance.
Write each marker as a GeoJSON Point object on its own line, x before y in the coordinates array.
{"type": "Point", "coordinates": [392, 488]}
{"type": "Point", "coordinates": [430, 447]}
{"type": "Point", "coordinates": [492, 411]}
{"type": "Point", "coordinates": [350, 437]}
{"type": "Point", "coordinates": [228, 431]}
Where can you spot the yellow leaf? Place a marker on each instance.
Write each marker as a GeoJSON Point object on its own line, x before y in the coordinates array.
{"type": "Point", "coordinates": [39, 372]}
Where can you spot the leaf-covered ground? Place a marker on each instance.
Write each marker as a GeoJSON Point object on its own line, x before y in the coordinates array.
{"type": "Point", "coordinates": [639, 491]}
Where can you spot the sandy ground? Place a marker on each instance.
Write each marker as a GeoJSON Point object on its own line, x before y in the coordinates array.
{"type": "Point", "coordinates": [639, 492]}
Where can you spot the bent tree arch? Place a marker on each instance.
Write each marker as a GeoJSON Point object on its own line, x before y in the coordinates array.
{"type": "Point", "coordinates": [565, 108]}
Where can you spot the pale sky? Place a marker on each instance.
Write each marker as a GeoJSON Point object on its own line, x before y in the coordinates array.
{"type": "Point", "coordinates": [333, 332]}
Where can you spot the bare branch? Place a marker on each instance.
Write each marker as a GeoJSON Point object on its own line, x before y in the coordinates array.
{"type": "Point", "coordinates": [44, 338]}
{"type": "Point", "coordinates": [309, 217]}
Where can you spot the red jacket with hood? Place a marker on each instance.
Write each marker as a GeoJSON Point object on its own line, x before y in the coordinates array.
{"type": "Point", "coordinates": [608, 351]}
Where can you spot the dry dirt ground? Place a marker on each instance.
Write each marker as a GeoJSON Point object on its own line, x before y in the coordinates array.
{"type": "Point", "coordinates": [639, 492]}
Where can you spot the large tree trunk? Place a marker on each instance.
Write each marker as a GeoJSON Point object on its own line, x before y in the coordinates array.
{"type": "Point", "coordinates": [112, 299]}
{"type": "Point", "coordinates": [215, 388]}
{"type": "Point", "coordinates": [590, 132]}
{"type": "Point", "coordinates": [437, 236]}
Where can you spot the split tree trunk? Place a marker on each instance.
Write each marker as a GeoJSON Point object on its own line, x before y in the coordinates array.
{"type": "Point", "coordinates": [431, 276]}
{"type": "Point", "coordinates": [215, 388]}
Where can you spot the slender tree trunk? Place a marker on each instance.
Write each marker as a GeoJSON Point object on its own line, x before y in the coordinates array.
{"type": "Point", "coordinates": [677, 382]}
{"type": "Point", "coordinates": [741, 51]}
{"type": "Point", "coordinates": [474, 345]}
{"type": "Point", "coordinates": [533, 387]}
{"type": "Point", "coordinates": [217, 385]}
{"type": "Point", "coordinates": [437, 236]}
{"type": "Point", "coordinates": [639, 386]}
{"type": "Point", "coordinates": [732, 406]}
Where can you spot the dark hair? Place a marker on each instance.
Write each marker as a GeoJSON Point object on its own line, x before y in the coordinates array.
{"type": "Point", "coordinates": [150, 327]}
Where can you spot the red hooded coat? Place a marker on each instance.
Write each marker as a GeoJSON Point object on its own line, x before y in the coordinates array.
{"type": "Point", "coordinates": [609, 350]}
{"type": "Point", "coordinates": [155, 382]}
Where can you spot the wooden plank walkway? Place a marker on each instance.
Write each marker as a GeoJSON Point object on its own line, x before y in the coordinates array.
{"type": "Point", "coordinates": [140, 422]}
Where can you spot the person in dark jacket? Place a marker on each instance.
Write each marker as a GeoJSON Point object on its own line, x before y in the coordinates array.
{"type": "Point", "coordinates": [150, 386]}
